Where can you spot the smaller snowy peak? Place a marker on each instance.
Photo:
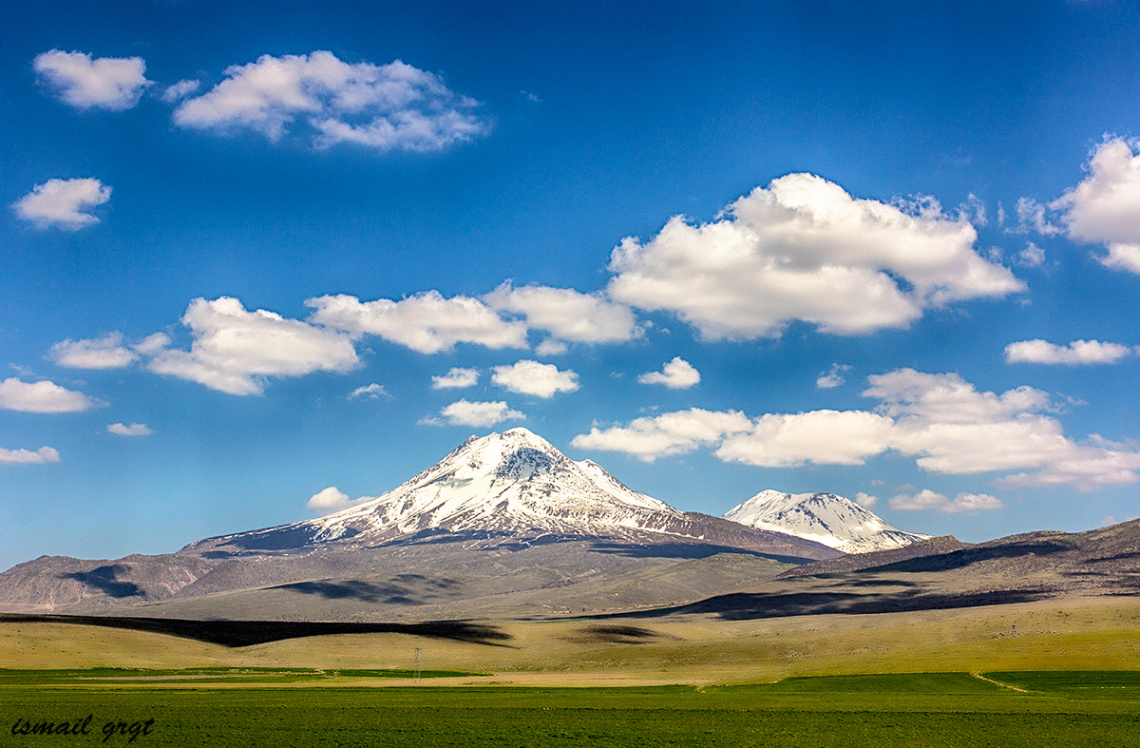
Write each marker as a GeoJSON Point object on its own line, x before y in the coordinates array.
{"type": "Point", "coordinates": [825, 518]}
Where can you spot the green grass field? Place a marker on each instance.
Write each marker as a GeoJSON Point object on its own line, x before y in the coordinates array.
{"type": "Point", "coordinates": [946, 709]}
{"type": "Point", "coordinates": [213, 675]}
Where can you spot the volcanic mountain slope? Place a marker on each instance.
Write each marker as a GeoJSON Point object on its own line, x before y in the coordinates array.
{"type": "Point", "coordinates": [504, 523]}
{"type": "Point", "coordinates": [825, 518]}
{"type": "Point", "coordinates": [514, 483]}
{"type": "Point", "coordinates": [945, 573]}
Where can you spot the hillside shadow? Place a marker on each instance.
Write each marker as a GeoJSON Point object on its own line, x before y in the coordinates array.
{"type": "Point", "coordinates": [684, 551]}
{"type": "Point", "coordinates": [1117, 557]}
{"type": "Point", "coordinates": [274, 540]}
{"type": "Point", "coordinates": [614, 634]}
{"type": "Point", "coordinates": [247, 633]}
{"type": "Point", "coordinates": [106, 580]}
{"type": "Point", "coordinates": [749, 606]}
{"type": "Point", "coordinates": [397, 592]}
{"type": "Point", "coordinates": [968, 556]}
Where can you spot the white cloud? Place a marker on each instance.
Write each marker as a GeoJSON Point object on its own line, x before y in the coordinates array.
{"type": "Point", "coordinates": [940, 420]}
{"type": "Point", "coordinates": [551, 347]}
{"type": "Point", "coordinates": [1077, 353]}
{"type": "Point", "coordinates": [866, 500]}
{"type": "Point", "coordinates": [678, 374]}
{"type": "Point", "coordinates": [113, 83]}
{"type": "Point", "coordinates": [927, 500]}
{"type": "Point", "coordinates": [1094, 464]}
{"type": "Point", "coordinates": [566, 314]}
{"type": "Point", "coordinates": [803, 249]}
{"type": "Point", "coordinates": [371, 391]}
{"type": "Point", "coordinates": [973, 210]}
{"type": "Point", "coordinates": [27, 456]}
{"type": "Point", "coordinates": [534, 378]}
{"type": "Point", "coordinates": [393, 106]}
{"type": "Point", "coordinates": [235, 350]}
{"type": "Point", "coordinates": [952, 428]}
{"type": "Point", "coordinates": [180, 90]}
{"type": "Point", "coordinates": [820, 437]}
{"type": "Point", "coordinates": [833, 377]}
{"type": "Point", "coordinates": [668, 434]}
{"type": "Point", "coordinates": [153, 344]}
{"type": "Point", "coordinates": [43, 397]}
{"type": "Point", "coordinates": [61, 203]}
{"type": "Point", "coordinates": [106, 352]}
{"type": "Point", "coordinates": [1104, 207]}
{"type": "Point", "coordinates": [1032, 217]}
{"type": "Point", "coordinates": [332, 500]}
{"type": "Point", "coordinates": [426, 322]}
{"type": "Point", "coordinates": [456, 378]}
{"type": "Point", "coordinates": [1032, 256]}
{"type": "Point", "coordinates": [948, 398]}
{"type": "Point", "coordinates": [135, 429]}
{"type": "Point", "coordinates": [464, 413]}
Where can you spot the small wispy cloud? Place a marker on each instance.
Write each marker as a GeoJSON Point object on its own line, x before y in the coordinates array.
{"type": "Point", "coordinates": [113, 83]}
{"type": "Point", "coordinates": [456, 378]}
{"type": "Point", "coordinates": [833, 377]}
{"type": "Point", "coordinates": [370, 391]}
{"type": "Point", "coordinates": [63, 203]}
{"type": "Point", "coordinates": [28, 457]}
{"type": "Point", "coordinates": [134, 429]}
{"type": "Point", "coordinates": [678, 374]}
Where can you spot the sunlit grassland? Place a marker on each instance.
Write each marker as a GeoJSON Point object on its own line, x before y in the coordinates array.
{"type": "Point", "coordinates": [941, 709]}
{"type": "Point", "coordinates": [1059, 674]}
{"type": "Point", "coordinates": [1081, 634]}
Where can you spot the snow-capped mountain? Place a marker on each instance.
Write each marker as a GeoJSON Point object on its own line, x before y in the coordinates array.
{"type": "Point", "coordinates": [825, 518]}
{"type": "Point", "coordinates": [504, 482]}
{"type": "Point", "coordinates": [510, 483]}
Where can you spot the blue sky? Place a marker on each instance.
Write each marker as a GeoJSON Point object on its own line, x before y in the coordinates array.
{"type": "Point", "coordinates": [251, 253]}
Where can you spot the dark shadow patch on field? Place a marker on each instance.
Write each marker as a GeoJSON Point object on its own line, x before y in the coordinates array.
{"type": "Point", "coordinates": [1117, 557]}
{"type": "Point", "coordinates": [852, 581]}
{"type": "Point", "coordinates": [683, 550]}
{"type": "Point", "coordinates": [614, 634]}
{"type": "Point", "coordinates": [405, 589]}
{"type": "Point", "coordinates": [106, 580]}
{"type": "Point", "coordinates": [1129, 585]}
{"type": "Point", "coordinates": [748, 606]}
{"type": "Point", "coordinates": [246, 633]}
{"type": "Point", "coordinates": [966, 557]}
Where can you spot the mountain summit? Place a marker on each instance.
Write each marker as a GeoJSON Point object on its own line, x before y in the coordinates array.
{"type": "Point", "coordinates": [832, 520]}
{"type": "Point", "coordinates": [514, 483]}
{"type": "Point", "coordinates": [509, 482]}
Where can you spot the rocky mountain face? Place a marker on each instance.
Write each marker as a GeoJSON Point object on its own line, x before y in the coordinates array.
{"type": "Point", "coordinates": [500, 515]}
{"type": "Point", "coordinates": [824, 518]}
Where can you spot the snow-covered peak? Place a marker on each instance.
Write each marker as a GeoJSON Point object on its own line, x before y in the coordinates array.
{"type": "Point", "coordinates": [826, 518]}
{"type": "Point", "coordinates": [511, 485]}
{"type": "Point", "coordinates": [511, 481]}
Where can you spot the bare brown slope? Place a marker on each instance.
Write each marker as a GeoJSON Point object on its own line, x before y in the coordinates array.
{"type": "Point", "coordinates": [942, 574]}
{"type": "Point", "coordinates": [435, 575]}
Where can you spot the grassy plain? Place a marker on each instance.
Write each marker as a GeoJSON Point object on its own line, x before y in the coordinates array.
{"type": "Point", "coordinates": [1073, 634]}
{"type": "Point", "coordinates": [947, 709]}
{"type": "Point", "coordinates": [1015, 675]}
